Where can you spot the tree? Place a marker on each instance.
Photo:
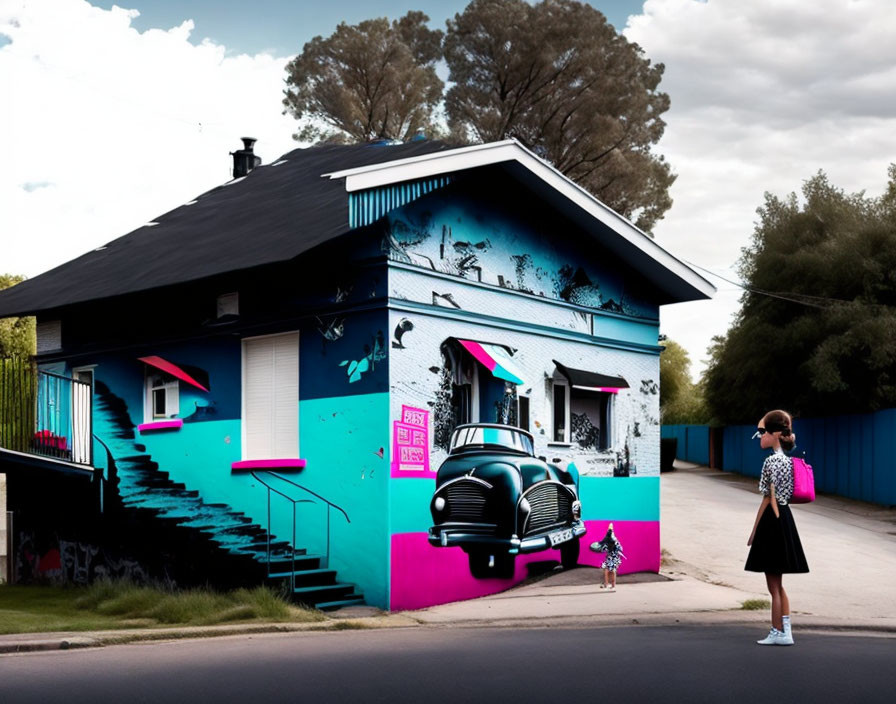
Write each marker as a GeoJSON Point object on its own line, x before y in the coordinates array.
{"type": "Point", "coordinates": [816, 333]}
{"type": "Point", "coordinates": [17, 335]}
{"type": "Point", "coordinates": [557, 77]}
{"type": "Point", "coordinates": [367, 81]}
{"type": "Point", "coordinates": [681, 400]}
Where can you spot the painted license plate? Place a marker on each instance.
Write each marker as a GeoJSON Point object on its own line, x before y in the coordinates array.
{"type": "Point", "coordinates": [560, 536]}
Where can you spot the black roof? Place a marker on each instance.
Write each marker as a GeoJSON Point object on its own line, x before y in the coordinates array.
{"type": "Point", "coordinates": [274, 214]}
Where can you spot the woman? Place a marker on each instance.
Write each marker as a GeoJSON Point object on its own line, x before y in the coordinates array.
{"type": "Point", "coordinates": [775, 543]}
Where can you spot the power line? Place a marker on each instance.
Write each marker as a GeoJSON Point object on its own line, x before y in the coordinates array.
{"type": "Point", "coordinates": [798, 298]}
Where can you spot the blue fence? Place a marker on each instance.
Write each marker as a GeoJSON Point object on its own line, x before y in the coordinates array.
{"type": "Point", "coordinates": [852, 456]}
{"type": "Point", "coordinates": [693, 442]}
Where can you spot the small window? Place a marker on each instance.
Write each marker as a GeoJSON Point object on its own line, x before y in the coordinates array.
{"type": "Point", "coordinates": [162, 397]}
{"type": "Point", "coordinates": [523, 415]}
{"type": "Point", "coordinates": [590, 415]}
{"type": "Point", "coordinates": [560, 405]}
{"type": "Point", "coordinates": [228, 304]}
{"type": "Point", "coordinates": [49, 336]}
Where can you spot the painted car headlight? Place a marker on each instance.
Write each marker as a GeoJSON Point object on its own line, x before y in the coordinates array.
{"type": "Point", "coordinates": [525, 508]}
{"type": "Point", "coordinates": [576, 509]}
{"type": "Point", "coordinates": [439, 504]}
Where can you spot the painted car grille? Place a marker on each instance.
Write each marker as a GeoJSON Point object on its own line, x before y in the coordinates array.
{"type": "Point", "coordinates": [551, 504]}
{"type": "Point", "coordinates": [466, 501]}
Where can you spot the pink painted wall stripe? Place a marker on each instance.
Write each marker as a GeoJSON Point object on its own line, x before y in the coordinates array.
{"type": "Point", "coordinates": [422, 575]}
{"type": "Point", "coordinates": [282, 463]}
{"type": "Point", "coordinates": [171, 369]}
{"type": "Point", "coordinates": [161, 425]}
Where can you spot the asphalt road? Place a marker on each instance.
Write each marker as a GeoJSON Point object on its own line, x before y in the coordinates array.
{"type": "Point", "coordinates": [458, 665]}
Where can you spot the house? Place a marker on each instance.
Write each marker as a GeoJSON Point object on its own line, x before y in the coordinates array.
{"type": "Point", "coordinates": [274, 371]}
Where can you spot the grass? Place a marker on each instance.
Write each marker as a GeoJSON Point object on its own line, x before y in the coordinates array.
{"type": "Point", "coordinates": [755, 605]}
{"type": "Point", "coordinates": [117, 604]}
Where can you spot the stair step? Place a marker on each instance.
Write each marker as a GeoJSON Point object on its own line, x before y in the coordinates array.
{"type": "Point", "coordinates": [318, 572]}
{"type": "Point", "coordinates": [353, 600]}
{"type": "Point", "coordinates": [322, 588]}
{"type": "Point", "coordinates": [309, 562]}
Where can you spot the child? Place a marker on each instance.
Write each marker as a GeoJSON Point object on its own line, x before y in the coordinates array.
{"type": "Point", "coordinates": [610, 545]}
{"type": "Point", "coordinates": [775, 543]}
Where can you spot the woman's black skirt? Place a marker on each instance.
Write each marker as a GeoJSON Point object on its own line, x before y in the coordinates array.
{"type": "Point", "coordinates": [776, 546]}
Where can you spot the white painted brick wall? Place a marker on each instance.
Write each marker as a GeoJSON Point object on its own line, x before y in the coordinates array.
{"type": "Point", "coordinates": [412, 383]}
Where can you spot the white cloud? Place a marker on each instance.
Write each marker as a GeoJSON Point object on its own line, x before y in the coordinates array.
{"type": "Point", "coordinates": [764, 94]}
{"type": "Point", "coordinates": [105, 127]}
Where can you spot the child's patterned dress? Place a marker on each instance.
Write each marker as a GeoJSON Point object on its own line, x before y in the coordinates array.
{"type": "Point", "coordinates": [614, 556]}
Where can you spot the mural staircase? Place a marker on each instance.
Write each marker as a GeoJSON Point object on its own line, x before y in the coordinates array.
{"type": "Point", "coordinates": [207, 542]}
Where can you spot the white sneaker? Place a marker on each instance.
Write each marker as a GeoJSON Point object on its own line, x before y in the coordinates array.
{"type": "Point", "coordinates": [774, 637]}
{"type": "Point", "coordinates": [788, 631]}
{"type": "Point", "coordinates": [784, 637]}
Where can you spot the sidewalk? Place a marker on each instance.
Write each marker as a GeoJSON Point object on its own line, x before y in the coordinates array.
{"type": "Point", "coordinates": [706, 517]}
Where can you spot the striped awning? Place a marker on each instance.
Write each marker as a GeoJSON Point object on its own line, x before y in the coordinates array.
{"type": "Point", "coordinates": [496, 358]}
{"type": "Point", "coordinates": [174, 370]}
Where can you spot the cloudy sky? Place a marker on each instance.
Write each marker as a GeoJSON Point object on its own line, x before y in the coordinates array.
{"type": "Point", "coordinates": [111, 116]}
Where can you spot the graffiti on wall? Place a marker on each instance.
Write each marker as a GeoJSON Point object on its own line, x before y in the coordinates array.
{"type": "Point", "coordinates": [404, 326]}
{"type": "Point", "coordinates": [374, 352]}
{"type": "Point", "coordinates": [410, 443]}
{"type": "Point", "coordinates": [455, 234]}
{"type": "Point", "coordinates": [70, 562]}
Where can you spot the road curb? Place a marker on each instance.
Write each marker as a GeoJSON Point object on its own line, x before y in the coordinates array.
{"type": "Point", "coordinates": [20, 644]}
{"type": "Point", "coordinates": [25, 643]}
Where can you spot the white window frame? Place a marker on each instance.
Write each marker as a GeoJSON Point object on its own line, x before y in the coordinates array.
{"type": "Point", "coordinates": [519, 412]}
{"type": "Point", "coordinates": [554, 383]}
{"type": "Point", "coordinates": [171, 387]}
{"type": "Point", "coordinates": [243, 361]}
{"type": "Point", "coordinates": [611, 413]}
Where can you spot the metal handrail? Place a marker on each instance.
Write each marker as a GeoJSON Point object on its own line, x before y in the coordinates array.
{"type": "Point", "coordinates": [330, 504]}
{"type": "Point", "coordinates": [111, 467]}
{"type": "Point", "coordinates": [44, 413]}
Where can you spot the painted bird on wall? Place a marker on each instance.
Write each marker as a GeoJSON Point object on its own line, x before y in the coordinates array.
{"type": "Point", "coordinates": [404, 325]}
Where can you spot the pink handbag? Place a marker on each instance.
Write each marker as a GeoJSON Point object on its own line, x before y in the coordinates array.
{"type": "Point", "coordinates": [803, 482]}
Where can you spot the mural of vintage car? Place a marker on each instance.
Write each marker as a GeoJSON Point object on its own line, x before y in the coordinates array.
{"type": "Point", "coordinates": [495, 499]}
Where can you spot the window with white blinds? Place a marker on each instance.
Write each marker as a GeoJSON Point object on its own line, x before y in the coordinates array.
{"type": "Point", "coordinates": [271, 397]}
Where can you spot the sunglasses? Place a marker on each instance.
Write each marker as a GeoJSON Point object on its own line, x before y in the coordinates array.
{"type": "Point", "coordinates": [760, 432]}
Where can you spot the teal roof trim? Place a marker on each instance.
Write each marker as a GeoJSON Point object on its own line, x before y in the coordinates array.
{"type": "Point", "coordinates": [365, 207]}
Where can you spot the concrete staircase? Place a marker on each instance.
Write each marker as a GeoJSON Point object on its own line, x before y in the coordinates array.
{"type": "Point", "coordinates": [233, 548]}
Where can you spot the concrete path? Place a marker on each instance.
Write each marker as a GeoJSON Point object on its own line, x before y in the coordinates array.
{"type": "Point", "coordinates": [706, 517]}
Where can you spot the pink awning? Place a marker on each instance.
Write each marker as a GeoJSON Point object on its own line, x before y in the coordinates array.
{"type": "Point", "coordinates": [495, 358]}
{"type": "Point", "coordinates": [171, 369]}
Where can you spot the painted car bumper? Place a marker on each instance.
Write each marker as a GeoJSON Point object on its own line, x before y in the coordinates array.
{"type": "Point", "coordinates": [451, 536]}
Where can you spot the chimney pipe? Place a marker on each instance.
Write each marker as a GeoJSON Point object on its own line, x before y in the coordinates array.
{"type": "Point", "coordinates": [244, 160]}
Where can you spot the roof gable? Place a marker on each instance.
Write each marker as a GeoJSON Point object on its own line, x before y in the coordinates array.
{"type": "Point", "coordinates": [619, 235]}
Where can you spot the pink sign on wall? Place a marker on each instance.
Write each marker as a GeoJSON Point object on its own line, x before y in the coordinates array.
{"type": "Point", "coordinates": [410, 444]}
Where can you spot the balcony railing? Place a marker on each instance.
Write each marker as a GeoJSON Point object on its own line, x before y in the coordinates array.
{"type": "Point", "coordinates": [45, 414]}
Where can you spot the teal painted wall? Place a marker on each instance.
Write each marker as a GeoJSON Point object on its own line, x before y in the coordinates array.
{"type": "Point", "coordinates": [341, 438]}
